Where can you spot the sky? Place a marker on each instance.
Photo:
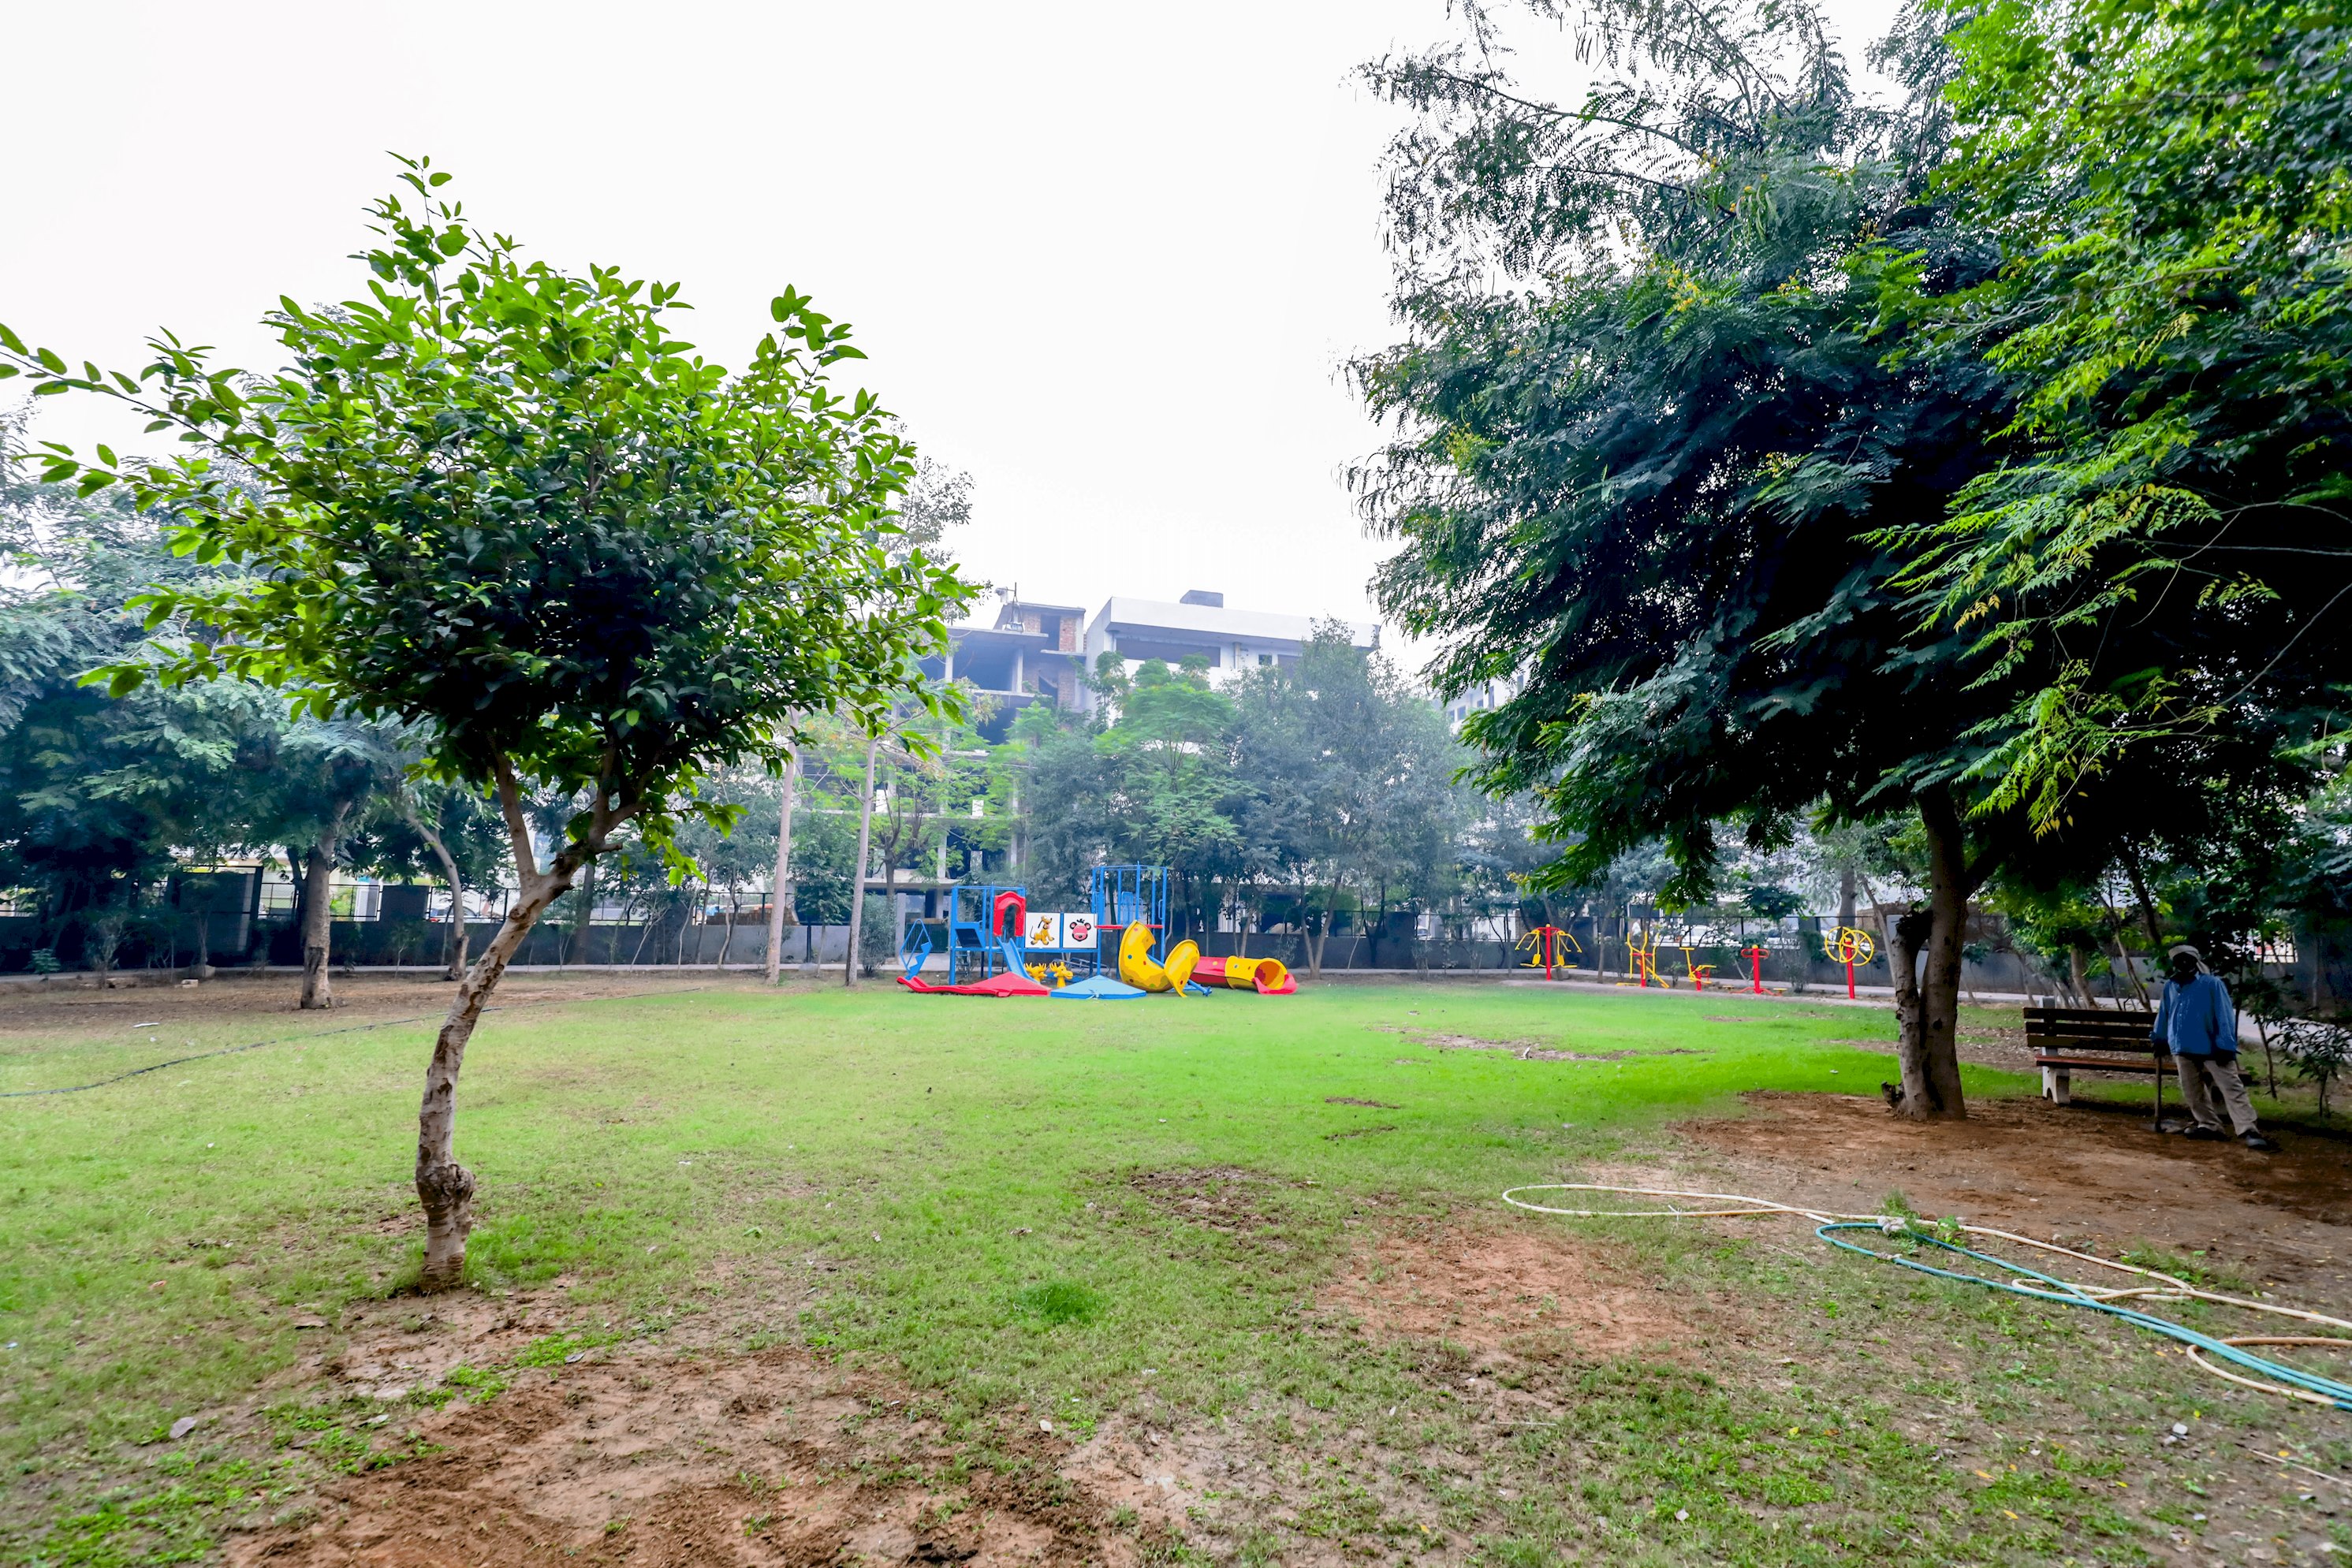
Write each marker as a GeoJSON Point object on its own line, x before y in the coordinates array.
{"type": "Point", "coordinates": [1111, 260]}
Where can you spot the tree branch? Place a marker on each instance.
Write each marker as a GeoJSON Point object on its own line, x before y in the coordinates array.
{"type": "Point", "coordinates": [517, 827]}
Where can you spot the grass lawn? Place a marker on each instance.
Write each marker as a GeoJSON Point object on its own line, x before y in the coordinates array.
{"type": "Point", "coordinates": [970, 1196]}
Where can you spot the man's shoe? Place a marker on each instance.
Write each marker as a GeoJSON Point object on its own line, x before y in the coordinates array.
{"type": "Point", "coordinates": [2256, 1141]}
{"type": "Point", "coordinates": [2206, 1135]}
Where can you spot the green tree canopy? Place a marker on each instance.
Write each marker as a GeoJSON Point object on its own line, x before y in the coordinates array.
{"type": "Point", "coordinates": [2168, 554]}
{"type": "Point", "coordinates": [504, 502]}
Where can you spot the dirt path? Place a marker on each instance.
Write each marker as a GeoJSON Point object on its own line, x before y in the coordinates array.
{"type": "Point", "coordinates": [2093, 1177]}
{"type": "Point", "coordinates": [232, 994]}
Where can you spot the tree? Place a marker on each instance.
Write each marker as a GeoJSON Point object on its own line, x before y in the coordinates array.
{"type": "Point", "coordinates": [1645, 477]}
{"type": "Point", "coordinates": [502, 501]}
{"type": "Point", "coordinates": [1349, 772]}
{"type": "Point", "coordinates": [321, 774]}
{"type": "Point", "coordinates": [95, 794]}
{"type": "Point", "coordinates": [1152, 783]}
{"type": "Point", "coordinates": [2168, 556]}
{"type": "Point", "coordinates": [448, 831]}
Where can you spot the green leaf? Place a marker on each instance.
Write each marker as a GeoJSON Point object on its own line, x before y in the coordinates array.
{"type": "Point", "coordinates": [50, 361]}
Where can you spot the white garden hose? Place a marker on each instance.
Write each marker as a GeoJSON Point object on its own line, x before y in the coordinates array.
{"type": "Point", "coordinates": [2274, 1377]}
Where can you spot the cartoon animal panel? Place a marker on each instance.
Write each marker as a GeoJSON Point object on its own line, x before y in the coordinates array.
{"type": "Point", "coordinates": [1056, 933]}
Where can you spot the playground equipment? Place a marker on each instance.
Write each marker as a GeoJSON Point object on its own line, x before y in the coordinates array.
{"type": "Point", "coordinates": [1644, 956]}
{"type": "Point", "coordinates": [1545, 941]}
{"type": "Point", "coordinates": [1055, 974]}
{"type": "Point", "coordinates": [1097, 988]}
{"type": "Point", "coordinates": [1136, 968]}
{"type": "Point", "coordinates": [1755, 957]}
{"type": "Point", "coordinates": [1697, 972]}
{"type": "Point", "coordinates": [1266, 977]}
{"type": "Point", "coordinates": [1008, 984]}
{"type": "Point", "coordinates": [1849, 946]}
{"type": "Point", "coordinates": [1124, 895]}
{"type": "Point", "coordinates": [985, 930]}
{"type": "Point", "coordinates": [996, 945]}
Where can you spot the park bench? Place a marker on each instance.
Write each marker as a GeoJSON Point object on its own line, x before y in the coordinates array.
{"type": "Point", "coordinates": [2067, 1041]}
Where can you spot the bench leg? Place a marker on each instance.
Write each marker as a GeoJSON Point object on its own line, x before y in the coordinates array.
{"type": "Point", "coordinates": [2057, 1085]}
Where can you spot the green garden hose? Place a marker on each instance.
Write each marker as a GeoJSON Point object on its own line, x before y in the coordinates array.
{"type": "Point", "coordinates": [2272, 1377]}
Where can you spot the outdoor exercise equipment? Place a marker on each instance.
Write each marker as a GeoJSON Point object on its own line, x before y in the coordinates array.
{"type": "Point", "coordinates": [1849, 945]}
{"type": "Point", "coordinates": [1697, 972]}
{"type": "Point", "coordinates": [1755, 957]}
{"type": "Point", "coordinates": [1645, 959]}
{"type": "Point", "coordinates": [2271, 1376]}
{"type": "Point", "coordinates": [1544, 944]}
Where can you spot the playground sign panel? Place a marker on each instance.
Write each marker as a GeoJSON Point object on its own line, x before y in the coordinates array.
{"type": "Point", "coordinates": [1058, 933]}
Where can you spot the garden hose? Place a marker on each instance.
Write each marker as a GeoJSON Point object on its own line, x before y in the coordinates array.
{"type": "Point", "coordinates": [2272, 1376]}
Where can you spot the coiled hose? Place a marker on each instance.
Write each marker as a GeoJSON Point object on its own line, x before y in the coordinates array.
{"type": "Point", "coordinates": [2271, 1376]}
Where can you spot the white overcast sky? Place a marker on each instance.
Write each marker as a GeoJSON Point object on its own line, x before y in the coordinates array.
{"type": "Point", "coordinates": [1108, 259]}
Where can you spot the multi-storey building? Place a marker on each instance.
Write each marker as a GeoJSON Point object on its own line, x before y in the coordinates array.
{"type": "Point", "coordinates": [1040, 652]}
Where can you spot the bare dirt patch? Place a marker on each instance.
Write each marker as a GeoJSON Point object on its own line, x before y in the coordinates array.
{"type": "Point", "coordinates": [2091, 1175]}
{"type": "Point", "coordinates": [1522, 1050]}
{"type": "Point", "coordinates": [1351, 1100]}
{"type": "Point", "coordinates": [1226, 1198]}
{"type": "Point", "coordinates": [1543, 1295]}
{"type": "Point", "coordinates": [774, 1457]}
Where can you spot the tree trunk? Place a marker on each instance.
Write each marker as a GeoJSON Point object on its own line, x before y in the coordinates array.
{"type": "Point", "coordinates": [444, 1187]}
{"type": "Point", "coordinates": [689, 909]}
{"type": "Point", "coordinates": [1846, 898]}
{"type": "Point", "coordinates": [203, 966]}
{"type": "Point", "coordinates": [2146, 904]}
{"type": "Point", "coordinates": [452, 947]}
{"type": "Point", "coordinates": [319, 911]}
{"type": "Point", "coordinates": [576, 951]}
{"type": "Point", "coordinates": [2078, 975]}
{"type": "Point", "coordinates": [1927, 995]}
{"type": "Point", "coordinates": [779, 904]}
{"type": "Point", "coordinates": [857, 870]}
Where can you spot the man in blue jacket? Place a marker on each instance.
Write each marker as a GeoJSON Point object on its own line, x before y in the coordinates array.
{"type": "Point", "coordinates": [2199, 1024]}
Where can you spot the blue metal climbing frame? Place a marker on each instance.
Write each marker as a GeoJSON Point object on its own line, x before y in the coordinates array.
{"type": "Point", "coordinates": [975, 949]}
{"type": "Point", "coordinates": [1123, 894]}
